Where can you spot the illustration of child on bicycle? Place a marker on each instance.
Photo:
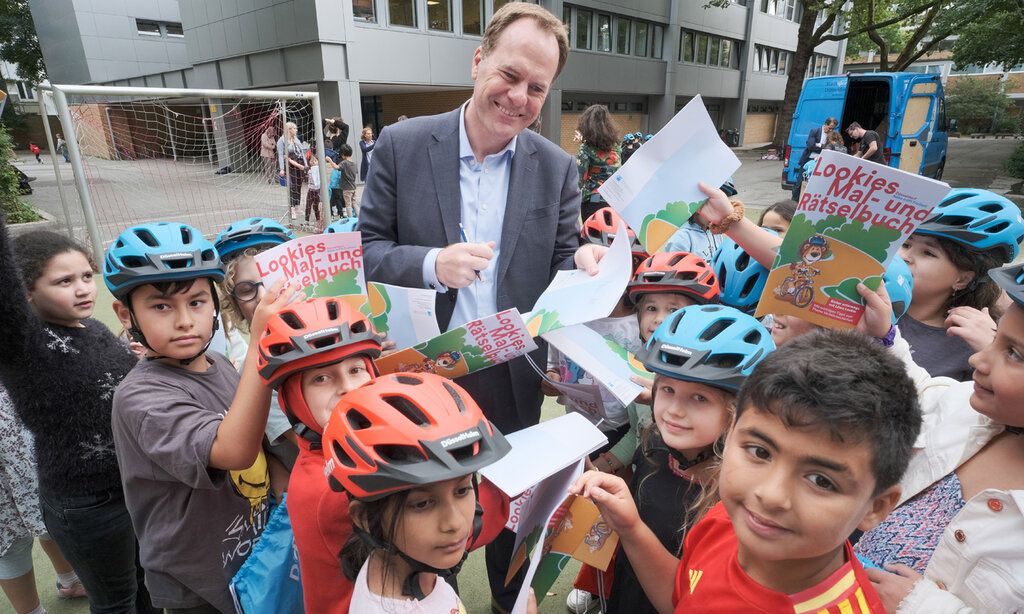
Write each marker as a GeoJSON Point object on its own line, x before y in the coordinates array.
{"type": "Point", "coordinates": [798, 288]}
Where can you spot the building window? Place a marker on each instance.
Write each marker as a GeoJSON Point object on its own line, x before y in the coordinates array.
{"type": "Point", "coordinates": [716, 51]}
{"type": "Point", "coordinates": [727, 53]}
{"type": "Point", "coordinates": [787, 9]}
{"type": "Point", "coordinates": [439, 15]}
{"type": "Point", "coordinates": [771, 61]}
{"type": "Point", "coordinates": [25, 91]}
{"type": "Point", "coordinates": [363, 10]}
{"type": "Point", "coordinates": [819, 65]}
{"type": "Point", "coordinates": [583, 20]}
{"type": "Point", "coordinates": [701, 56]}
{"type": "Point", "coordinates": [402, 13]}
{"type": "Point", "coordinates": [604, 32]}
{"type": "Point", "coordinates": [640, 48]}
{"type": "Point", "coordinates": [472, 13]}
{"type": "Point", "coordinates": [686, 46]}
{"type": "Point", "coordinates": [622, 32]}
{"type": "Point", "coordinates": [147, 28]}
{"type": "Point", "coordinates": [174, 30]}
{"type": "Point", "coordinates": [657, 42]}
{"type": "Point", "coordinates": [567, 20]}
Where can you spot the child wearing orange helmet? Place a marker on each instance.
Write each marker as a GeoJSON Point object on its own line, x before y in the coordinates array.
{"type": "Point", "coordinates": [313, 352]}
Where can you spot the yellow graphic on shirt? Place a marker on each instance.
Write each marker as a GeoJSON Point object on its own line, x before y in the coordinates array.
{"type": "Point", "coordinates": [843, 597]}
{"type": "Point", "coordinates": [695, 575]}
{"type": "Point", "coordinates": [253, 484]}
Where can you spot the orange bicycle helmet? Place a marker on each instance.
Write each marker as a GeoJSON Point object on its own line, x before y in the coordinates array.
{"type": "Point", "coordinates": [601, 227]}
{"type": "Point", "coordinates": [405, 430]}
{"type": "Point", "coordinates": [676, 273]}
{"type": "Point", "coordinates": [313, 333]}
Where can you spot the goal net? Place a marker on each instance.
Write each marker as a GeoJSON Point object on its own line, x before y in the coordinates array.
{"type": "Point", "coordinates": [196, 159]}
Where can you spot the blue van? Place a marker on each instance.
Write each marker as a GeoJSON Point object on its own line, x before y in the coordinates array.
{"type": "Point", "coordinates": [907, 110]}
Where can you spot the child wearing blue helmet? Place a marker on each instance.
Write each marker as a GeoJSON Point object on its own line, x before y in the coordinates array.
{"type": "Point", "coordinates": [187, 429]}
{"type": "Point", "coordinates": [700, 356]}
{"type": "Point", "coordinates": [239, 294]}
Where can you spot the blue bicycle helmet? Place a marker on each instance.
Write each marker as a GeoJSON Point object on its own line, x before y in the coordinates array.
{"type": "Point", "coordinates": [978, 219]}
{"type": "Point", "coordinates": [156, 252]}
{"type": "Point", "coordinates": [899, 283]}
{"type": "Point", "coordinates": [345, 224]}
{"type": "Point", "coordinates": [711, 344]}
{"type": "Point", "coordinates": [250, 232]}
{"type": "Point", "coordinates": [1011, 279]}
{"type": "Point", "coordinates": [740, 277]}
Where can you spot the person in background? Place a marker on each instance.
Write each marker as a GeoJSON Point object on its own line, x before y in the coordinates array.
{"type": "Point", "coordinates": [348, 182]}
{"type": "Point", "coordinates": [291, 156]}
{"type": "Point", "coordinates": [778, 216]}
{"type": "Point", "coordinates": [268, 145]}
{"type": "Point", "coordinates": [62, 147]}
{"type": "Point", "coordinates": [870, 145]}
{"type": "Point", "coordinates": [366, 144]}
{"type": "Point", "coordinates": [816, 140]}
{"type": "Point", "coordinates": [598, 156]}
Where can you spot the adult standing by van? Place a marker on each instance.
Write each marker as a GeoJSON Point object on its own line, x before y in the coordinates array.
{"type": "Point", "coordinates": [816, 140]}
{"type": "Point", "coordinates": [870, 145]}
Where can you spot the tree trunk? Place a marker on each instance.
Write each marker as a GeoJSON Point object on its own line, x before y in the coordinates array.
{"type": "Point", "coordinates": [795, 81]}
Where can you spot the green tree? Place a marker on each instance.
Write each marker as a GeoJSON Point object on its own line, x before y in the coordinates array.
{"type": "Point", "coordinates": [14, 210]}
{"type": "Point", "coordinates": [995, 37]}
{"type": "Point", "coordinates": [18, 42]}
{"type": "Point", "coordinates": [977, 103]}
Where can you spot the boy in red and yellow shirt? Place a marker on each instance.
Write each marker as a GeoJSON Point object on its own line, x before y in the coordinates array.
{"type": "Point", "coordinates": [823, 432]}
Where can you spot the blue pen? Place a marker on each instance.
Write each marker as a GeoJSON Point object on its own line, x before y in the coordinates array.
{"type": "Point", "coordinates": [462, 237]}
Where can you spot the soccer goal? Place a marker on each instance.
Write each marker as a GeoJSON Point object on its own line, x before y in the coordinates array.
{"type": "Point", "coordinates": [142, 154]}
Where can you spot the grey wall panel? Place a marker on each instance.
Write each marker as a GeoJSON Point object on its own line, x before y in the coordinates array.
{"type": "Point", "coordinates": [233, 35]}
{"type": "Point", "coordinates": [234, 73]}
{"type": "Point", "coordinates": [332, 20]}
{"type": "Point", "coordinates": [92, 48]}
{"type": "Point", "coordinates": [116, 26]}
{"type": "Point", "coordinates": [174, 79]}
{"type": "Point", "coordinates": [267, 68]}
{"type": "Point", "coordinates": [267, 27]}
{"type": "Point", "coordinates": [335, 62]}
{"type": "Point", "coordinates": [389, 56]}
{"type": "Point", "coordinates": [708, 82]}
{"type": "Point", "coordinates": [86, 24]}
{"type": "Point", "coordinates": [249, 32]}
{"type": "Point", "coordinates": [204, 76]}
{"type": "Point", "coordinates": [169, 10]}
{"type": "Point", "coordinates": [766, 87]}
{"type": "Point", "coordinates": [303, 64]}
{"type": "Point", "coordinates": [150, 51]}
{"type": "Point", "coordinates": [653, 10]}
{"type": "Point", "coordinates": [154, 80]}
{"type": "Point", "coordinates": [451, 60]}
{"type": "Point", "coordinates": [287, 28]}
{"type": "Point", "coordinates": [604, 72]}
{"type": "Point", "coordinates": [730, 22]}
{"type": "Point", "coordinates": [775, 31]}
{"type": "Point", "coordinates": [148, 9]}
{"type": "Point", "coordinates": [218, 43]}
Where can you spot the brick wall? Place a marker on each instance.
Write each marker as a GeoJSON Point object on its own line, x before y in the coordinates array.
{"type": "Point", "coordinates": [421, 103]}
{"type": "Point", "coordinates": [625, 122]}
{"type": "Point", "coordinates": [32, 132]}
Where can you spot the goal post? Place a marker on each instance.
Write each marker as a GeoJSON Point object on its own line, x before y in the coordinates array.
{"type": "Point", "coordinates": [145, 154]}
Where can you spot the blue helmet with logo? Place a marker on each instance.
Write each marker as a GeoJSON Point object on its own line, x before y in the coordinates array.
{"type": "Point", "coordinates": [978, 219]}
{"type": "Point", "coordinates": [711, 344]}
{"type": "Point", "coordinates": [740, 277]}
{"type": "Point", "coordinates": [158, 252]}
{"type": "Point", "coordinates": [899, 284]}
{"type": "Point", "coordinates": [345, 224]}
{"type": "Point", "coordinates": [250, 232]}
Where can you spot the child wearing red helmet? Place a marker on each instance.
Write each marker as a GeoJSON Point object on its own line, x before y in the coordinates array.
{"type": "Point", "coordinates": [313, 352]}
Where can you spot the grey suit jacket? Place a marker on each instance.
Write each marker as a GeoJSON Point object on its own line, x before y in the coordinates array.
{"type": "Point", "coordinates": [412, 203]}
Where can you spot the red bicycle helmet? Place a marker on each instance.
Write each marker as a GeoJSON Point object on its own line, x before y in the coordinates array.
{"type": "Point", "coordinates": [405, 430]}
{"type": "Point", "coordinates": [313, 333]}
{"type": "Point", "coordinates": [601, 227]}
{"type": "Point", "coordinates": [677, 273]}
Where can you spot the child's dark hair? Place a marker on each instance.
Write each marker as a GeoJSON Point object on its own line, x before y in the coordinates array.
{"type": "Point", "coordinates": [847, 384]}
{"type": "Point", "coordinates": [981, 292]}
{"type": "Point", "coordinates": [785, 209]}
{"type": "Point", "coordinates": [372, 516]}
{"type": "Point", "coordinates": [33, 251]}
{"type": "Point", "coordinates": [346, 150]}
{"type": "Point", "coordinates": [170, 288]}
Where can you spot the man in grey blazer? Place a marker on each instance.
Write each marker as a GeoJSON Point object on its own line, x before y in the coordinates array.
{"type": "Point", "coordinates": [476, 206]}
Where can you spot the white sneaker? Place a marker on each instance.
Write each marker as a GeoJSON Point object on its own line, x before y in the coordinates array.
{"type": "Point", "coordinates": [582, 602]}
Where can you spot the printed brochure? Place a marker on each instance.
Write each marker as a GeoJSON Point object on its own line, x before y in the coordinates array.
{"type": "Point", "coordinates": [322, 265]}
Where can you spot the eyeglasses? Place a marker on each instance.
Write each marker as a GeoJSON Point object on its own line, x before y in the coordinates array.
{"type": "Point", "coordinates": [246, 291]}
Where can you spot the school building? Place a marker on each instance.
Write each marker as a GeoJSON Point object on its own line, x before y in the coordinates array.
{"type": "Point", "coordinates": [373, 60]}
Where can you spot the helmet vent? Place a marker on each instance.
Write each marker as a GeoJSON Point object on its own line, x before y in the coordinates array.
{"type": "Point", "coordinates": [209, 255]}
{"type": "Point", "coordinates": [292, 320]}
{"type": "Point", "coordinates": [725, 361]}
{"type": "Point", "coordinates": [743, 261]}
{"type": "Point", "coordinates": [408, 380]}
{"type": "Point", "coordinates": [186, 234]}
{"type": "Point", "coordinates": [146, 237]}
{"type": "Point", "coordinates": [342, 455]}
{"type": "Point", "coordinates": [676, 321]}
{"type": "Point", "coordinates": [716, 328]}
{"type": "Point", "coordinates": [672, 359]}
{"type": "Point", "coordinates": [952, 200]}
{"type": "Point", "coordinates": [464, 453]}
{"type": "Point", "coordinates": [748, 287]}
{"type": "Point", "coordinates": [675, 259]}
{"type": "Point", "coordinates": [753, 337]}
{"type": "Point", "coordinates": [324, 342]}
{"type": "Point", "coordinates": [455, 397]}
{"type": "Point", "coordinates": [357, 327]}
{"type": "Point", "coordinates": [408, 409]}
{"type": "Point", "coordinates": [357, 420]}
{"type": "Point", "coordinates": [332, 310]}
{"type": "Point", "coordinates": [279, 349]}
{"type": "Point", "coordinates": [594, 233]}
{"type": "Point", "coordinates": [132, 262]}
{"type": "Point", "coordinates": [991, 208]}
{"type": "Point", "coordinates": [998, 227]}
{"type": "Point", "coordinates": [398, 455]}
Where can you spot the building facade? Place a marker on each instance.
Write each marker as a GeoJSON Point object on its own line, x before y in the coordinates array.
{"type": "Point", "coordinates": [373, 60]}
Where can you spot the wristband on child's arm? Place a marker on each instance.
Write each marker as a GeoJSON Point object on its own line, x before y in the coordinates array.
{"type": "Point", "coordinates": [722, 225]}
{"type": "Point", "coordinates": [889, 339]}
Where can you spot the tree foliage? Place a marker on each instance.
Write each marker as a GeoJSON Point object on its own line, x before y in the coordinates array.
{"type": "Point", "coordinates": [995, 37]}
{"type": "Point", "coordinates": [11, 206]}
{"type": "Point", "coordinates": [977, 104]}
{"type": "Point", "coordinates": [18, 42]}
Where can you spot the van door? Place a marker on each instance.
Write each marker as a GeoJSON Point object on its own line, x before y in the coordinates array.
{"type": "Point", "coordinates": [821, 98]}
{"type": "Point", "coordinates": [919, 111]}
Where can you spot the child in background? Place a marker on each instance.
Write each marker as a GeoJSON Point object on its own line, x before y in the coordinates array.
{"type": "Point", "coordinates": [778, 216]}
{"type": "Point", "coordinates": [824, 429]}
{"type": "Point", "coordinates": [313, 191]}
{"type": "Point", "coordinates": [35, 152]}
{"type": "Point", "coordinates": [188, 430]}
{"type": "Point", "coordinates": [239, 294]}
{"type": "Point", "coordinates": [700, 356]}
{"type": "Point", "coordinates": [348, 182]}
{"type": "Point", "coordinates": [955, 544]}
{"type": "Point", "coordinates": [405, 448]}
{"type": "Point", "coordinates": [952, 315]}
{"type": "Point", "coordinates": [334, 190]}
{"type": "Point", "coordinates": [312, 353]}
{"type": "Point", "coordinates": [60, 367]}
